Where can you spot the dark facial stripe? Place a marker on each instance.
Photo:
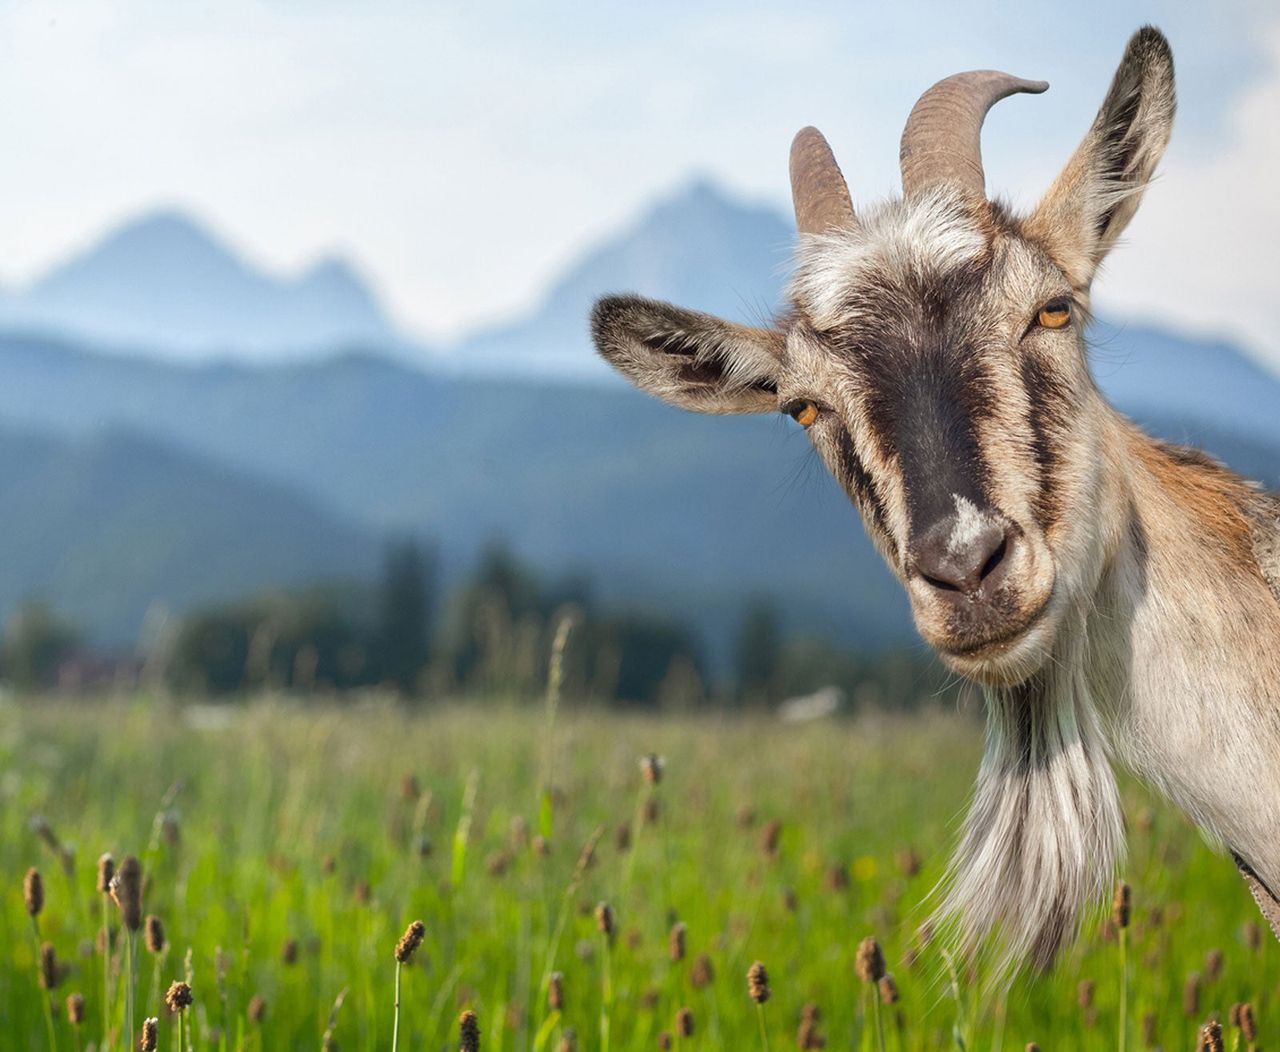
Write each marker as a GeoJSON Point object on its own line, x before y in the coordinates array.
{"type": "Point", "coordinates": [857, 481]}
{"type": "Point", "coordinates": [1051, 402]}
{"type": "Point", "coordinates": [925, 408]}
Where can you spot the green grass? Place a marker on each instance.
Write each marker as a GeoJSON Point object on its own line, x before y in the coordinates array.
{"type": "Point", "coordinates": [264, 794]}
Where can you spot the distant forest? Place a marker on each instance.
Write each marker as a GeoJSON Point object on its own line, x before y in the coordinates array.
{"type": "Point", "coordinates": [491, 636]}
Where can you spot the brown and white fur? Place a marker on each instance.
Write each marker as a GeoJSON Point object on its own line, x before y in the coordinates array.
{"type": "Point", "coordinates": [1113, 595]}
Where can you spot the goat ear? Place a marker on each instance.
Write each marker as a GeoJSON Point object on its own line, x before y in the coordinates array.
{"type": "Point", "coordinates": [687, 358]}
{"type": "Point", "coordinates": [1097, 193]}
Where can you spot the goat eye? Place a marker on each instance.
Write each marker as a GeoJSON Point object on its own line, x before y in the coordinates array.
{"type": "Point", "coordinates": [803, 413]}
{"type": "Point", "coordinates": [1054, 315]}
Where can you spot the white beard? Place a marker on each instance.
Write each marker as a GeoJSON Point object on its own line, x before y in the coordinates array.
{"type": "Point", "coordinates": [1045, 831]}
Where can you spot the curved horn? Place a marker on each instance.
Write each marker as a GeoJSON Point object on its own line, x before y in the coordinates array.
{"type": "Point", "coordinates": [818, 190]}
{"type": "Point", "coordinates": [941, 142]}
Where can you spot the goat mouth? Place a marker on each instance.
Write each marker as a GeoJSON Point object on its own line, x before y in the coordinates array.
{"type": "Point", "coordinates": [996, 645]}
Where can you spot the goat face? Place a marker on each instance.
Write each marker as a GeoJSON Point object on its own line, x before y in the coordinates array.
{"type": "Point", "coordinates": [934, 352]}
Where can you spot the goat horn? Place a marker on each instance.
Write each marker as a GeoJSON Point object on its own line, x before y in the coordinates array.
{"type": "Point", "coordinates": [941, 142]}
{"type": "Point", "coordinates": [818, 190]}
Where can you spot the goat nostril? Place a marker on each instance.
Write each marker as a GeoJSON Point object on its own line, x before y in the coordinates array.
{"type": "Point", "coordinates": [940, 584]}
{"type": "Point", "coordinates": [994, 559]}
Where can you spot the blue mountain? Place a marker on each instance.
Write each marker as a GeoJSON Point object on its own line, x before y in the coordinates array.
{"type": "Point", "coordinates": [165, 283]}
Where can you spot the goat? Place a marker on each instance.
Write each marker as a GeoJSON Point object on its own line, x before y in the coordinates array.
{"type": "Point", "coordinates": [1114, 596]}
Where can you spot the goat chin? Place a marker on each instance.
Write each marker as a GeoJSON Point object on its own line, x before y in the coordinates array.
{"type": "Point", "coordinates": [1045, 832]}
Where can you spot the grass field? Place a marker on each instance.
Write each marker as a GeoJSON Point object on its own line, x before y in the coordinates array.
{"type": "Point", "coordinates": [286, 847]}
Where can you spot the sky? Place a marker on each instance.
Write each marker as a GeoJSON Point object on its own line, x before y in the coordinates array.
{"type": "Point", "coordinates": [462, 153]}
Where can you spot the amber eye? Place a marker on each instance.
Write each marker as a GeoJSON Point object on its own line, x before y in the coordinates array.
{"type": "Point", "coordinates": [1055, 315]}
{"type": "Point", "coordinates": [803, 413]}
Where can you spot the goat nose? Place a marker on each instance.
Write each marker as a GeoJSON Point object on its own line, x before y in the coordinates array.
{"type": "Point", "coordinates": [961, 551]}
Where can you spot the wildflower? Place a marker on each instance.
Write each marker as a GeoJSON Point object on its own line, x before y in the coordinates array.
{"type": "Point", "coordinates": [758, 983]}
{"type": "Point", "coordinates": [605, 920]}
{"type": "Point", "coordinates": [410, 941]}
{"type": "Point", "coordinates": [126, 890]}
{"type": "Point", "coordinates": [178, 997]}
{"type": "Point", "coordinates": [50, 972]}
{"type": "Point", "coordinates": [153, 931]}
{"type": "Point", "coordinates": [1120, 906]}
{"type": "Point", "coordinates": [676, 941]}
{"type": "Point", "coordinates": [651, 767]}
{"type": "Point", "coordinates": [33, 891]}
{"type": "Point", "coordinates": [106, 870]}
{"type": "Point", "coordinates": [1191, 995]}
{"type": "Point", "coordinates": [684, 1022]}
{"type": "Point", "coordinates": [770, 837]}
{"type": "Point", "coordinates": [468, 1032]}
{"type": "Point", "coordinates": [869, 963]}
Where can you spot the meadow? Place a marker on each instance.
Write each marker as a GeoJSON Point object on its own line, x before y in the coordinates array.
{"type": "Point", "coordinates": [286, 847]}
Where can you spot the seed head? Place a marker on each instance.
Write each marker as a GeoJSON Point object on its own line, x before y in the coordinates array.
{"type": "Point", "coordinates": [1120, 906]}
{"type": "Point", "coordinates": [1032, 1047]}
{"type": "Point", "coordinates": [33, 891]}
{"type": "Point", "coordinates": [684, 1022]}
{"type": "Point", "coordinates": [1149, 1029]}
{"type": "Point", "coordinates": [257, 1008]}
{"type": "Point", "coordinates": [50, 972]}
{"type": "Point", "coordinates": [555, 992]}
{"type": "Point", "coordinates": [75, 1008]}
{"type": "Point", "coordinates": [889, 989]}
{"type": "Point", "coordinates": [770, 837]}
{"type": "Point", "coordinates": [1191, 995]}
{"type": "Point", "coordinates": [703, 972]}
{"type": "Point", "coordinates": [664, 1040]}
{"type": "Point", "coordinates": [869, 963]}
{"type": "Point", "coordinates": [178, 997]}
{"type": "Point", "coordinates": [468, 1032]}
{"type": "Point", "coordinates": [1213, 965]}
{"type": "Point", "coordinates": [651, 767]}
{"type": "Point", "coordinates": [1084, 993]}
{"type": "Point", "coordinates": [1211, 1037]}
{"type": "Point", "coordinates": [676, 940]}
{"type": "Point", "coordinates": [106, 870]}
{"type": "Point", "coordinates": [126, 890]}
{"type": "Point", "coordinates": [622, 837]}
{"type": "Point", "coordinates": [150, 1035]}
{"type": "Point", "coordinates": [410, 941]}
{"type": "Point", "coordinates": [651, 811]}
{"type": "Point", "coordinates": [758, 983]}
{"type": "Point", "coordinates": [808, 1036]}
{"type": "Point", "coordinates": [289, 952]}
{"type": "Point", "coordinates": [605, 920]}
{"type": "Point", "coordinates": [1248, 1025]}
{"type": "Point", "coordinates": [568, 1040]}
{"type": "Point", "coordinates": [153, 930]}
{"type": "Point", "coordinates": [1252, 935]}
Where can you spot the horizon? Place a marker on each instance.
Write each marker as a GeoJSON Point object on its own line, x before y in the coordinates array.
{"type": "Point", "coordinates": [294, 160]}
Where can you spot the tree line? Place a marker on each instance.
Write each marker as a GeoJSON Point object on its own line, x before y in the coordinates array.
{"type": "Point", "coordinates": [491, 636]}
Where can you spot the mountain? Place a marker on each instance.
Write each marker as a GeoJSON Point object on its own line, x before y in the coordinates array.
{"type": "Point", "coordinates": [165, 283]}
{"type": "Point", "coordinates": [106, 526]}
{"type": "Point", "coordinates": [661, 508]}
{"type": "Point", "coordinates": [696, 246]}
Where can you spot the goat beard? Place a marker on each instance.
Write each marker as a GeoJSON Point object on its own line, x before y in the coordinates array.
{"type": "Point", "coordinates": [1045, 832]}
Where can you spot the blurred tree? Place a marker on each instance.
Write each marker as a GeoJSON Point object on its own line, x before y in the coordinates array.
{"type": "Point", "coordinates": [404, 615]}
{"type": "Point", "coordinates": [36, 642]}
{"type": "Point", "coordinates": [757, 652]}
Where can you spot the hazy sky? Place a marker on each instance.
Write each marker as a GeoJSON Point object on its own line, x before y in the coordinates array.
{"type": "Point", "coordinates": [462, 152]}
